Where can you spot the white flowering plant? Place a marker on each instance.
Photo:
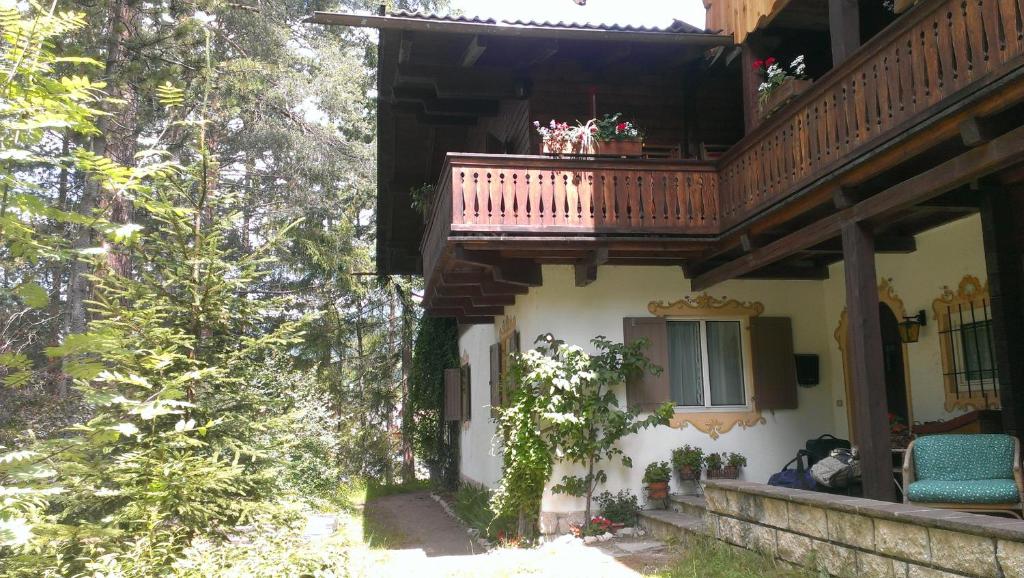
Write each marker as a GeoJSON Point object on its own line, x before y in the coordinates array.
{"type": "Point", "coordinates": [775, 75]}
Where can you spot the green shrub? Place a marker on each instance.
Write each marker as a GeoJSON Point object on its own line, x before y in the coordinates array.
{"type": "Point", "coordinates": [472, 504]}
{"type": "Point", "coordinates": [621, 508]}
{"type": "Point", "coordinates": [687, 456]}
{"type": "Point", "coordinates": [657, 472]}
{"type": "Point", "coordinates": [706, 557]}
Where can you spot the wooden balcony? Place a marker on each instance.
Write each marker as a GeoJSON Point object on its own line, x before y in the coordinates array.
{"type": "Point", "coordinates": [514, 207]}
{"type": "Point", "coordinates": [934, 58]}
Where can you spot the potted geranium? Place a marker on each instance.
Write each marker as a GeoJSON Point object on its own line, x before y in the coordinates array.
{"type": "Point", "coordinates": [615, 136]}
{"type": "Point", "coordinates": [713, 462]}
{"type": "Point", "coordinates": [688, 461]}
{"type": "Point", "coordinates": [559, 137]}
{"type": "Point", "coordinates": [781, 84]}
{"type": "Point", "coordinates": [656, 478]}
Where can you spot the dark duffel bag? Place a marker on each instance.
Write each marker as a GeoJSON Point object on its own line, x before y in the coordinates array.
{"type": "Point", "coordinates": [798, 478]}
{"type": "Point", "coordinates": [821, 447]}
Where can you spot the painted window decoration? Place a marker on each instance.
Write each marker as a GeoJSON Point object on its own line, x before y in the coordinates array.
{"type": "Point", "coordinates": [706, 363]}
{"type": "Point", "coordinates": [967, 346]}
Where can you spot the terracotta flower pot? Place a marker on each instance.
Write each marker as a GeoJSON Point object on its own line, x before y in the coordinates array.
{"type": "Point", "coordinates": [689, 473]}
{"type": "Point", "coordinates": [726, 473]}
{"type": "Point", "coordinates": [620, 148]}
{"type": "Point", "coordinates": [657, 490]}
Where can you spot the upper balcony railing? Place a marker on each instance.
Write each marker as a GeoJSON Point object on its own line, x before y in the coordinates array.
{"type": "Point", "coordinates": [892, 82]}
{"type": "Point", "coordinates": [533, 194]}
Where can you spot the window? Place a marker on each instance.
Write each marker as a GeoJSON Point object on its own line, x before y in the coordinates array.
{"type": "Point", "coordinates": [706, 366]}
{"type": "Point", "coordinates": [979, 357]}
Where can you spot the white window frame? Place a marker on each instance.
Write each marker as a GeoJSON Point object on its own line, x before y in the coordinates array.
{"type": "Point", "coordinates": [747, 372]}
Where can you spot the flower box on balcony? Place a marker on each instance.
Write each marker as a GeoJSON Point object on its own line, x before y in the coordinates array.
{"type": "Point", "coordinates": [632, 147]}
{"type": "Point", "coordinates": [785, 92]}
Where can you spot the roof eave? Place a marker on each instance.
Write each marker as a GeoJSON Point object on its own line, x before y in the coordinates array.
{"type": "Point", "coordinates": [447, 27]}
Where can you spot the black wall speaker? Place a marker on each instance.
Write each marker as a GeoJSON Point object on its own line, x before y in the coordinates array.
{"type": "Point", "coordinates": [807, 369]}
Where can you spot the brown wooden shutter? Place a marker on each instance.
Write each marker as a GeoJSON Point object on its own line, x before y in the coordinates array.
{"type": "Point", "coordinates": [771, 344]}
{"type": "Point", "coordinates": [646, 392]}
{"type": "Point", "coordinates": [452, 394]}
{"type": "Point", "coordinates": [495, 378]}
{"type": "Point", "coordinates": [466, 385]}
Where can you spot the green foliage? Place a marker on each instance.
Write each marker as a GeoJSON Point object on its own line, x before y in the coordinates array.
{"type": "Point", "coordinates": [657, 472]}
{"type": "Point", "coordinates": [562, 404]}
{"type": "Point", "coordinates": [472, 504]}
{"type": "Point", "coordinates": [621, 507]}
{"type": "Point", "coordinates": [714, 461]}
{"type": "Point", "coordinates": [436, 349]}
{"type": "Point", "coordinates": [736, 460]}
{"type": "Point", "coordinates": [705, 557]}
{"type": "Point", "coordinates": [687, 456]}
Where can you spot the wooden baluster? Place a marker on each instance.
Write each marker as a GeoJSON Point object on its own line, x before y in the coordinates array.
{"type": "Point", "coordinates": [534, 184]}
{"type": "Point", "coordinates": [887, 95]}
{"type": "Point", "coordinates": [547, 196]}
{"type": "Point", "coordinates": [869, 125]}
{"type": "Point", "coordinates": [560, 214]}
{"type": "Point", "coordinates": [587, 199]}
{"type": "Point", "coordinates": [476, 203]}
{"type": "Point", "coordinates": [678, 200]}
{"type": "Point", "coordinates": [961, 42]}
{"type": "Point", "coordinates": [976, 37]}
{"type": "Point", "coordinates": [993, 31]}
{"type": "Point", "coordinates": [709, 196]}
{"type": "Point", "coordinates": [947, 81]}
{"type": "Point", "coordinates": [458, 196]}
{"type": "Point", "coordinates": [1011, 34]}
{"type": "Point", "coordinates": [933, 72]}
{"type": "Point", "coordinates": [906, 86]}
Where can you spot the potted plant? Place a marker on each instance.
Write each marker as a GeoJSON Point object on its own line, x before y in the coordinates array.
{"type": "Point", "coordinates": [688, 461]}
{"type": "Point", "coordinates": [615, 136]}
{"type": "Point", "coordinates": [560, 138]}
{"type": "Point", "coordinates": [733, 464]}
{"type": "Point", "coordinates": [780, 84]}
{"type": "Point", "coordinates": [724, 466]}
{"type": "Point", "coordinates": [713, 462]}
{"type": "Point", "coordinates": [656, 478]}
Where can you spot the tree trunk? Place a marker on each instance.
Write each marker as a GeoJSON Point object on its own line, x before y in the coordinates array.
{"type": "Point", "coordinates": [408, 458]}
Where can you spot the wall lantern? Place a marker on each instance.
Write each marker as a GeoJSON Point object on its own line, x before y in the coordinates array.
{"type": "Point", "coordinates": [910, 327]}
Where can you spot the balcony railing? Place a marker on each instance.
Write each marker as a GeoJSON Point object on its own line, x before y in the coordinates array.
{"type": "Point", "coordinates": [534, 194]}
{"type": "Point", "coordinates": [924, 59]}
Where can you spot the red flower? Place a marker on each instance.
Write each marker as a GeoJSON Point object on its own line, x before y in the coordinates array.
{"type": "Point", "coordinates": [770, 61]}
{"type": "Point", "coordinates": [621, 127]}
{"type": "Point", "coordinates": [758, 64]}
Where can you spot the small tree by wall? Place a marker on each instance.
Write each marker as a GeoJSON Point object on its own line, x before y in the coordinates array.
{"type": "Point", "coordinates": [563, 406]}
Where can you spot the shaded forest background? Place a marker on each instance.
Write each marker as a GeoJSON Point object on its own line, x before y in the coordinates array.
{"type": "Point", "coordinates": [191, 325]}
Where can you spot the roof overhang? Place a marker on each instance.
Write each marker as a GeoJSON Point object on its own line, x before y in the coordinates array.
{"type": "Point", "coordinates": [519, 30]}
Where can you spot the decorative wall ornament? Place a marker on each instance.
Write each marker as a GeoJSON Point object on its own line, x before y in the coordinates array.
{"type": "Point", "coordinates": [886, 295]}
{"type": "Point", "coordinates": [712, 421]}
{"type": "Point", "coordinates": [704, 305]}
{"type": "Point", "coordinates": [971, 293]}
{"type": "Point", "coordinates": [716, 423]}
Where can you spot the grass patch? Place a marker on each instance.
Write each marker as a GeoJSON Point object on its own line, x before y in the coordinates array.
{"type": "Point", "coordinates": [375, 490]}
{"type": "Point", "coordinates": [705, 557]}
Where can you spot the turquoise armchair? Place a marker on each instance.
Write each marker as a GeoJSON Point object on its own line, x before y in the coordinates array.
{"type": "Point", "coordinates": [968, 472]}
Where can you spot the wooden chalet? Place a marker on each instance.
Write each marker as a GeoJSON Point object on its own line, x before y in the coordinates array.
{"type": "Point", "coordinates": [911, 133]}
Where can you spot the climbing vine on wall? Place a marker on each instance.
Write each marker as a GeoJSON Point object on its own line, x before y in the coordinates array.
{"type": "Point", "coordinates": [436, 349]}
{"type": "Point", "coordinates": [562, 405]}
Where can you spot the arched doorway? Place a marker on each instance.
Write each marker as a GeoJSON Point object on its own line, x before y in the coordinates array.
{"type": "Point", "coordinates": [894, 363]}
{"type": "Point", "coordinates": [894, 352]}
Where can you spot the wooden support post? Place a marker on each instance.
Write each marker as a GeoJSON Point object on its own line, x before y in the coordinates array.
{"type": "Point", "coordinates": [843, 28]}
{"type": "Point", "coordinates": [1002, 217]}
{"type": "Point", "coordinates": [870, 408]}
{"type": "Point", "coordinates": [751, 80]}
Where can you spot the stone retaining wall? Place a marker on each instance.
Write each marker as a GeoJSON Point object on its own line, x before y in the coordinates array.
{"type": "Point", "coordinates": [846, 536]}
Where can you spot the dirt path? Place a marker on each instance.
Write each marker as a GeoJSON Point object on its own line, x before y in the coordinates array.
{"type": "Point", "coordinates": [416, 538]}
{"type": "Point", "coordinates": [415, 520]}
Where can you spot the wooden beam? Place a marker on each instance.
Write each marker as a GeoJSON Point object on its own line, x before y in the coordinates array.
{"type": "Point", "coordinates": [976, 131]}
{"type": "Point", "coordinates": [1002, 217]}
{"type": "Point", "coordinates": [484, 280]}
{"type": "Point", "coordinates": [586, 271]}
{"type": "Point", "coordinates": [405, 47]}
{"type": "Point", "coordinates": [465, 311]}
{"type": "Point", "coordinates": [474, 50]}
{"type": "Point", "coordinates": [542, 51]}
{"type": "Point", "coordinates": [867, 379]}
{"type": "Point", "coordinates": [515, 271]}
{"type": "Point", "coordinates": [843, 28]}
{"type": "Point", "coordinates": [956, 172]}
{"type": "Point", "coordinates": [883, 244]}
{"type": "Point", "coordinates": [475, 320]}
{"type": "Point", "coordinates": [813, 272]}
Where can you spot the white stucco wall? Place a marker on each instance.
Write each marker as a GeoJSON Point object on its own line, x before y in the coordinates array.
{"type": "Point", "coordinates": [943, 256]}
{"type": "Point", "coordinates": [576, 315]}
